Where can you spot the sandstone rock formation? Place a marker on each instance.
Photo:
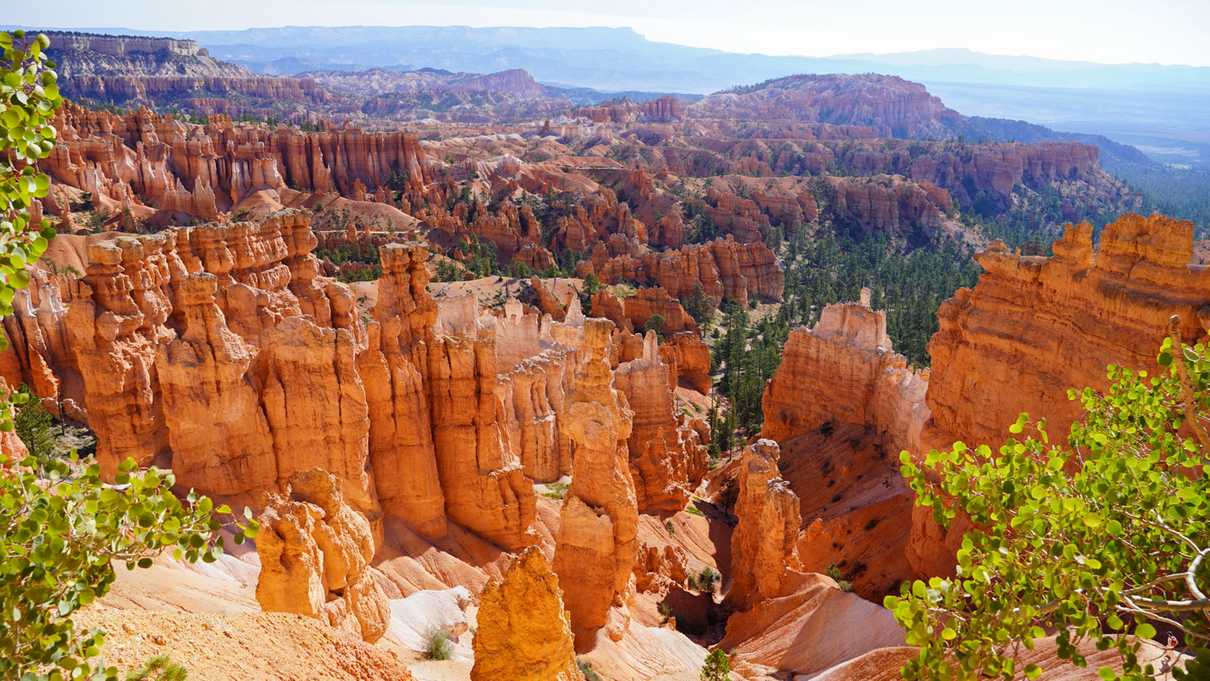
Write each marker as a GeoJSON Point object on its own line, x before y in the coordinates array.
{"type": "Point", "coordinates": [596, 545]}
{"type": "Point", "coordinates": [894, 206]}
{"type": "Point", "coordinates": [523, 632]}
{"type": "Point", "coordinates": [689, 359]}
{"type": "Point", "coordinates": [722, 269]}
{"type": "Point", "coordinates": [667, 459]}
{"type": "Point", "coordinates": [315, 552]}
{"type": "Point", "coordinates": [849, 372]}
{"type": "Point", "coordinates": [142, 162]}
{"type": "Point", "coordinates": [763, 545]}
{"type": "Point", "coordinates": [632, 313]}
{"type": "Point", "coordinates": [843, 405]}
{"type": "Point", "coordinates": [1044, 325]}
{"type": "Point", "coordinates": [219, 349]}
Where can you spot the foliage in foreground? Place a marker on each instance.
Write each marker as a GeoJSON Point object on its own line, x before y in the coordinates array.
{"type": "Point", "coordinates": [29, 96]}
{"type": "Point", "coordinates": [60, 529]}
{"type": "Point", "coordinates": [61, 526]}
{"type": "Point", "coordinates": [1099, 537]}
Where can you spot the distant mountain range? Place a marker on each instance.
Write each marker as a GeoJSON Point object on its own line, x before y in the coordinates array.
{"type": "Point", "coordinates": [1162, 109]}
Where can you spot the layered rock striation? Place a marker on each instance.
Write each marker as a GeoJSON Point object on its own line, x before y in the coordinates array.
{"type": "Point", "coordinates": [140, 161]}
{"type": "Point", "coordinates": [723, 269]}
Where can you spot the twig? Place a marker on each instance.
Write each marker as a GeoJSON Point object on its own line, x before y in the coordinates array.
{"type": "Point", "coordinates": [1182, 373]}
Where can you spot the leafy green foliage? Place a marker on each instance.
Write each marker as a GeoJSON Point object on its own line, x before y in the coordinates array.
{"type": "Point", "coordinates": [655, 323]}
{"type": "Point", "coordinates": [717, 667]}
{"type": "Point", "coordinates": [838, 576]}
{"type": "Point", "coordinates": [706, 579]}
{"type": "Point", "coordinates": [34, 426]}
{"type": "Point", "coordinates": [60, 529]}
{"type": "Point", "coordinates": [29, 97]}
{"type": "Point", "coordinates": [1090, 539]}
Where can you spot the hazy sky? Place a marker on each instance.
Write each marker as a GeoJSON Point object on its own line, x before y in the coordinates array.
{"type": "Point", "coordinates": [1164, 31]}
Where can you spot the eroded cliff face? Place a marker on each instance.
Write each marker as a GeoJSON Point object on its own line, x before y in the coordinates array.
{"type": "Point", "coordinates": [143, 162]}
{"type": "Point", "coordinates": [848, 361]}
{"type": "Point", "coordinates": [843, 404]}
{"type": "Point", "coordinates": [1043, 325]}
{"type": "Point", "coordinates": [1039, 324]}
{"type": "Point", "coordinates": [523, 631]}
{"type": "Point", "coordinates": [219, 351]}
{"type": "Point", "coordinates": [722, 270]}
{"type": "Point", "coordinates": [144, 70]}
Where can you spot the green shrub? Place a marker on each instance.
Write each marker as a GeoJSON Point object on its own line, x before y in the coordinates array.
{"type": "Point", "coordinates": [717, 667]}
{"type": "Point", "coordinates": [159, 668]}
{"type": "Point", "coordinates": [439, 646]}
{"type": "Point", "coordinates": [586, 669]}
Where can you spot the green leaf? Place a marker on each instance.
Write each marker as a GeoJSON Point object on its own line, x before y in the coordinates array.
{"type": "Point", "coordinates": [1145, 631]}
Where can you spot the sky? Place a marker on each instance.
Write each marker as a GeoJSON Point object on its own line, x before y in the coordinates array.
{"type": "Point", "coordinates": [1108, 31]}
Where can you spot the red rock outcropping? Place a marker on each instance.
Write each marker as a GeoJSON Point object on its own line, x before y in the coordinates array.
{"type": "Point", "coordinates": [722, 269]}
{"type": "Point", "coordinates": [314, 552]}
{"type": "Point", "coordinates": [764, 543]}
{"type": "Point", "coordinates": [596, 546]}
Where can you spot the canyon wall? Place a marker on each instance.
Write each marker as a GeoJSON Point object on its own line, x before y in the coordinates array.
{"type": "Point", "coordinates": [1043, 325]}
{"type": "Point", "coordinates": [722, 269]}
{"type": "Point", "coordinates": [126, 70]}
{"type": "Point", "coordinates": [141, 161]}
{"type": "Point", "coordinates": [843, 404]}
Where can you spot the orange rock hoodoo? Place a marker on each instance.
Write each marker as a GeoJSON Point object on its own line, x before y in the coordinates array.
{"type": "Point", "coordinates": [596, 545]}
{"type": "Point", "coordinates": [667, 458]}
{"type": "Point", "coordinates": [216, 346]}
{"type": "Point", "coordinates": [522, 629]}
{"type": "Point", "coordinates": [763, 543]}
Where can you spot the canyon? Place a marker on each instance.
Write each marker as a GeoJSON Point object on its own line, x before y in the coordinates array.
{"type": "Point", "coordinates": [465, 371]}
